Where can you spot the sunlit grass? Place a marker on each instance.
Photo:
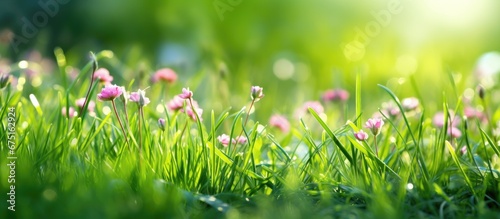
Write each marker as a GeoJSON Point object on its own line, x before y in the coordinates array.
{"type": "Point", "coordinates": [93, 166]}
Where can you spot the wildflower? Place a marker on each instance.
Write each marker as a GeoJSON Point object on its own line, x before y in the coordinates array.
{"type": "Point", "coordinates": [454, 132]}
{"type": "Point", "coordinates": [161, 123]}
{"type": "Point", "coordinates": [196, 108]}
{"type": "Point", "coordinates": [103, 75]}
{"type": "Point", "coordinates": [335, 95]}
{"type": "Point", "coordinates": [80, 104]}
{"type": "Point", "coordinates": [186, 93]}
{"type": "Point", "coordinates": [165, 74]}
{"type": "Point", "coordinates": [390, 109]}
{"type": "Point", "coordinates": [374, 125]}
{"type": "Point", "coordinates": [438, 119]}
{"type": "Point", "coordinates": [175, 104]}
{"type": "Point", "coordinates": [225, 139]}
{"type": "Point", "coordinates": [241, 139]}
{"type": "Point", "coordinates": [280, 122]}
{"type": "Point", "coordinates": [109, 92]}
{"type": "Point", "coordinates": [256, 93]}
{"type": "Point", "coordinates": [463, 150]}
{"type": "Point", "coordinates": [361, 135]}
{"type": "Point", "coordinates": [315, 105]}
{"type": "Point", "coordinates": [472, 113]}
{"type": "Point", "coordinates": [71, 112]}
{"type": "Point", "coordinates": [4, 80]}
{"type": "Point", "coordinates": [139, 97]}
{"type": "Point", "coordinates": [410, 103]}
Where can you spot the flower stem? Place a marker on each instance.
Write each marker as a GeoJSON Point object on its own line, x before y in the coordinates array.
{"type": "Point", "coordinates": [126, 114]}
{"type": "Point", "coordinates": [375, 142]}
{"type": "Point", "coordinates": [94, 68]}
{"type": "Point", "coordinates": [119, 121]}
{"type": "Point", "coordinates": [140, 136]}
{"type": "Point", "coordinates": [248, 115]}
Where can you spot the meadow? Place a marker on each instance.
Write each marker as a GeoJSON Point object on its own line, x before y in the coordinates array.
{"type": "Point", "coordinates": [86, 141]}
{"type": "Point", "coordinates": [249, 109]}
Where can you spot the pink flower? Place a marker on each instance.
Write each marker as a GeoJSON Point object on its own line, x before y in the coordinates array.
{"type": "Point", "coordinates": [109, 92]}
{"type": "Point", "coordinates": [241, 140]}
{"type": "Point", "coordinates": [225, 139]}
{"type": "Point", "coordinates": [304, 110]}
{"type": "Point", "coordinates": [176, 104]}
{"type": "Point", "coordinates": [454, 132]}
{"type": "Point", "coordinates": [161, 124]}
{"type": "Point", "coordinates": [390, 109]}
{"type": "Point", "coordinates": [90, 104]}
{"type": "Point", "coordinates": [315, 105]}
{"type": "Point", "coordinates": [410, 103]}
{"type": "Point", "coordinates": [165, 74]}
{"type": "Point", "coordinates": [361, 135]}
{"type": "Point", "coordinates": [256, 93]}
{"type": "Point", "coordinates": [191, 113]}
{"type": "Point", "coordinates": [280, 122]}
{"type": "Point", "coordinates": [374, 125]}
{"type": "Point", "coordinates": [103, 76]}
{"type": "Point", "coordinates": [438, 119]}
{"type": "Point", "coordinates": [139, 97]}
{"type": "Point", "coordinates": [335, 95]}
{"type": "Point", "coordinates": [463, 150]}
{"type": "Point", "coordinates": [72, 112]}
{"type": "Point", "coordinates": [186, 93]}
{"type": "Point", "coordinates": [472, 113]}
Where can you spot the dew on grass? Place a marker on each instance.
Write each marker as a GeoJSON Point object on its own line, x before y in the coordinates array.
{"type": "Point", "coordinates": [106, 110]}
{"type": "Point", "coordinates": [469, 93]}
{"type": "Point", "coordinates": [392, 139]}
{"type": "Point", "coordinates": [283, 69]}
{"type": "Point", "coordinates": [50, 194]}
{"type": "Point", "coordinates": [23, 64]}
{"type": "Point", "coordinates": [20, 83]}
{"type": "Point", "coordinates": [409, 186]}
{"type": "Point", "coordinates": [36, 81]}
{"type": "Point", "coordinates": [24, 125]}
{"type": "Point", "coordinates": [73, 143]}
{"type": "Point", "coordinates": [160, 108]}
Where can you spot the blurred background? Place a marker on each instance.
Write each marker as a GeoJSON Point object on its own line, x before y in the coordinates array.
{"type": "Point", "coordinates": [294, 49]}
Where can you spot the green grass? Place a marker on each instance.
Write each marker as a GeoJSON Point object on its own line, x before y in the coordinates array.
{"type": "Point", "coordinates": [82, 167]}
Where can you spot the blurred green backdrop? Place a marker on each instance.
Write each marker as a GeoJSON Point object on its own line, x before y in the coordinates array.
{"type": "Point", "coordinates": [294, 49]}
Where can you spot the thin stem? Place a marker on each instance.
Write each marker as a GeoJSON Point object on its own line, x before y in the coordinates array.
{"type": "Point", "coordinates": [119, 121]}
{"type": "Point", "coordinates": [245, 123]}
{"type": "Point", "coordinates": [94, 68]}
{"type": "Point", "coordinates": [488, 118]}
{"type": "Point", "coordinates": [140, 136]}
{"type": "Point", "coordinates": [126, 114]}
{"type": "Point", "coordinates": [375, 142]}
{"type": "Point", "coordinates": [248, 115]}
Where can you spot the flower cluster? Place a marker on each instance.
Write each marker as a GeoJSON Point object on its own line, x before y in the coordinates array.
{"type": "Point", "coordinates": [225, 140]}
{"type": "Point", "coordinates": [335, 95]}
{"type": "Point", "coordinates": [191, 108]}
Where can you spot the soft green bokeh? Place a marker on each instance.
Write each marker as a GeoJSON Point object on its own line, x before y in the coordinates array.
{"type": "Point", "coordinates": [294, 49]}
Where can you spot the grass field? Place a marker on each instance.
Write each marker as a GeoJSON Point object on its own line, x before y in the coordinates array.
{"type": "Point", "coordinates": [210, 152]}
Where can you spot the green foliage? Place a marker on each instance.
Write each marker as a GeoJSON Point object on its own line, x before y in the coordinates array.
{"type": "Point", "coordinates": [82, 167]}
